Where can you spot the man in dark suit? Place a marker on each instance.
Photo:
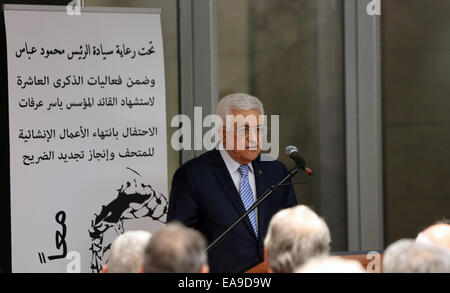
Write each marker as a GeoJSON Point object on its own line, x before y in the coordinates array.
{"type": "Point", "coordinates": [213, 190]}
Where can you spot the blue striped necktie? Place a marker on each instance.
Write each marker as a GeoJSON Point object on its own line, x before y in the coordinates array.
{"type": "Point", "coordinates": [247, 196]}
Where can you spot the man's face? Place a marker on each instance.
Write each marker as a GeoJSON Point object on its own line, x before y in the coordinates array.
{"type": "Point", "coordinates": [242, 137]}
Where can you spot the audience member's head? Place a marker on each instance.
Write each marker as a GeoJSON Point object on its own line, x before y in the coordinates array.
{"type": "Point", "coordinates": [331, 264]}
{"type": "Point", "coordinates": [127, 252]}
{"type": "Point", "coordinates": [408, 256]}
{"type": "Point", "coordinates": [438, 234]}
{"type": "Point", "coordinates": [294, 236]}
{"type": "Point", "coordinates": [176, 249]}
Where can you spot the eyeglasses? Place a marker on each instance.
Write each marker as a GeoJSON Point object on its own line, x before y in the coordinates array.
{"type": "Point", "coordinates": [245, 130]}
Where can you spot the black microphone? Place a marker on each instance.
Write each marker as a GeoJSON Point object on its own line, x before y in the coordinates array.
{"type": "Point", "coordinates": [292, 152]}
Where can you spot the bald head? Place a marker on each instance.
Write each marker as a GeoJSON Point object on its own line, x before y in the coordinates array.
{"type": "Point", "coordinates": [438, 235]}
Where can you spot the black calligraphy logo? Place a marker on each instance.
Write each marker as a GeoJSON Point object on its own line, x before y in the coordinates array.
{"type": "Point", "coordinates": [60, 239]}
{"type": "Point", "coordinates": [135, 200]}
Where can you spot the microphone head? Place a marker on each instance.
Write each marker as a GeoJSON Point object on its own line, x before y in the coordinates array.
{"type": "Point", "coordinates": [292, 152]}
{"type": "Point", "coordinates": [290, 149]}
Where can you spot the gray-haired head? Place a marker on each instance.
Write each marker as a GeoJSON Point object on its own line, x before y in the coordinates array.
{"type": "Point", "coordinates": [294, 236]}
{"type": "Point", "coordinates": [238, 102]}
{"type": "Point", "coordinates": [331, 264]}
{"type": "Point", "coordinates": [175, 249]}
{"type": "Point", "coordinates": [437, 234]}
{"type": "Point", "coordinates": [408, 256]}
{"type": "Point", "coordinates": [127, 252]}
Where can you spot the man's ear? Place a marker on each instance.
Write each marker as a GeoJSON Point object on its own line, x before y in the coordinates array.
{"type": "Point", "coordinates": [105, 269]}
{"type": "Point", "coordinates": [204, 269]}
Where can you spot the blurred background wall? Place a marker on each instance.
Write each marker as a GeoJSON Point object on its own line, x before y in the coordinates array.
{"type": "Point", "coordinates": [289, 54]}
{"type": "Point", "coordinates": [416, 114]}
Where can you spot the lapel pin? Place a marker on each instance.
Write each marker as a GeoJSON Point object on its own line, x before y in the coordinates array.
{"type": "Point", "coordinates": [260, 172]}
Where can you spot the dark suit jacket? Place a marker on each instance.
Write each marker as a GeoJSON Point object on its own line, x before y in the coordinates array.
{"type": "Point", "coordinates": [204, 197]}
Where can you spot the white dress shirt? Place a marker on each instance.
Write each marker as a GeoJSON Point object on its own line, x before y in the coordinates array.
{"type": "Point", "coordinates": [233, 169]}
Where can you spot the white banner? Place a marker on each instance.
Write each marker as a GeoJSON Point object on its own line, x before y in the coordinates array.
{"type": "Point", "coordinates": [88, 153]}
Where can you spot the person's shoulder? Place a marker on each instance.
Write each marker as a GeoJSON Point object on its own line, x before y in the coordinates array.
{"type": "Point", "coordinates": [197, 163]}
{"type": "Point", "coordinates": [268, 161]}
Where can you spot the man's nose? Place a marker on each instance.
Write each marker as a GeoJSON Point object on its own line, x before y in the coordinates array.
{"type": "Point", "coordinates": [253, 135]}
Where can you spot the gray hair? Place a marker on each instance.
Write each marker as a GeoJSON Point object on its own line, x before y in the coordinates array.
{"type": "Point", "coordinates": [294, 236]}
{"type": "Point", "coordinates": [239, 101]}
{"type": "Point", "coordinates": [127, 252]}
{"type": "Point", "coordinates": [175, 249]}
{"type": "Point", "coordinates": [408, 256]}
{"type": "Point", "coordinates": [331, 264]}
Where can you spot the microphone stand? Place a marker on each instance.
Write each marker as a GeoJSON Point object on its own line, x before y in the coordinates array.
{"type": "Point", "coordinates": [268, 192]}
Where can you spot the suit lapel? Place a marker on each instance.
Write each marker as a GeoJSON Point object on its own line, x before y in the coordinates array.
{"type": "Point", "coordinates": [224, 177]}
{"type": "Point", "coordinates": [259, 182]}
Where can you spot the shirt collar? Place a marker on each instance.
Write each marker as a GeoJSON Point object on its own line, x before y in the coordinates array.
{"type": "Point", "coordinates": [231, 164]}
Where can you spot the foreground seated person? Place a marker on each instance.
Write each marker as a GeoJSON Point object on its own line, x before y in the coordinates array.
{"type": "Point", "coordinates": [127, 252]}
{"type": "Point", "coordinates": [331, 264]}
{"type": "Point", "coordinates": [176, 249]}
{"type": "Point", "coordinates": [438, 234]}
{"type": "Point", "coordinates": [408, 256]}
{"type": "Point", "coordinates": [295, 235]}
